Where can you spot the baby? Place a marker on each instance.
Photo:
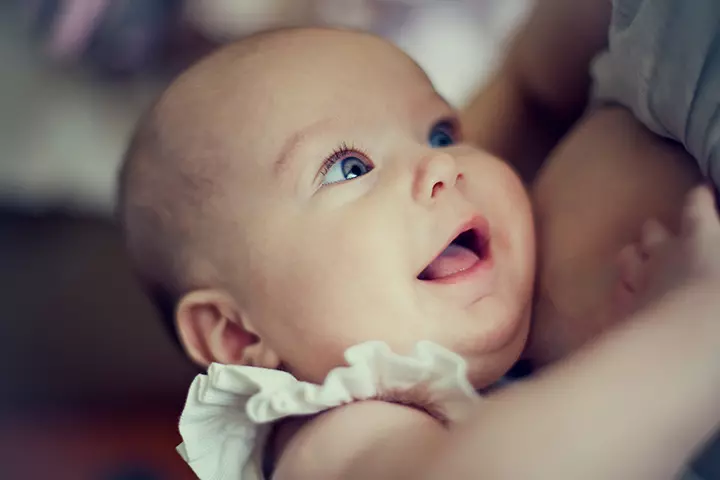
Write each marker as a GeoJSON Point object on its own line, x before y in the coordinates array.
{"type": "Point", "coordinates": [352, 272]}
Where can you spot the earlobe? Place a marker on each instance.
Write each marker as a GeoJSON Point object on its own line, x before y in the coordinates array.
{"type": "Point", "coordinates": [212, 329]}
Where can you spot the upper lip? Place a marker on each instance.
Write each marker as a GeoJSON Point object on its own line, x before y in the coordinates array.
{"type": "Point", "coordinates": [474, 234]}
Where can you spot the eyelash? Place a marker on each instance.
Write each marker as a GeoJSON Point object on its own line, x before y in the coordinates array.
{"type": "Point", "coordinates": [339, 154]}
{"type": "Point", "coordinates": [344, 149]}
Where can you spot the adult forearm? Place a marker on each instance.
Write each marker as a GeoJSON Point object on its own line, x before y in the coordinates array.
{"type": "Point", "coordinates": [503, 120]}
{"type": "Point", "coordinates": [636, 404]}
{"type": "Point", "coordinates": [542, 86]}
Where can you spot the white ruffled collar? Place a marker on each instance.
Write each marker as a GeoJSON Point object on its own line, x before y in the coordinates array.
{"type": "Point", "coordinates": [229, 410]}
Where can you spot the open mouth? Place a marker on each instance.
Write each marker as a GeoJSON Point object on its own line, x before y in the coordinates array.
{"type": "Point", "coordinates": [468, 249]}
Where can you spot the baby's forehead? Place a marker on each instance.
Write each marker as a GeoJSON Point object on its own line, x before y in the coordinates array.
{"type": "Point", "coordinates": [296, 69]}
{"type": "Point", "coordinates": [244, 103]}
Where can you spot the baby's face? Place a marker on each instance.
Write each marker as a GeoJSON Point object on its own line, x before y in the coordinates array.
{"type": "Point", "coordinates": [359, 215]}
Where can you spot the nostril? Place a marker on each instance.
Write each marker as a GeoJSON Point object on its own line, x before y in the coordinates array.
{"type": "Point", "coordinates": [437, 187]}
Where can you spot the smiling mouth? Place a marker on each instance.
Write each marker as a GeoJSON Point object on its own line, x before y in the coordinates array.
{"type": "Point", "coordinates": [469, 249]}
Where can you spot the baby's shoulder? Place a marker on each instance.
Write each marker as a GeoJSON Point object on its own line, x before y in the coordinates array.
{"type": "Point", "coordinates": [233, 412]}
{"type": "Point", "coordinates": [356, 441]}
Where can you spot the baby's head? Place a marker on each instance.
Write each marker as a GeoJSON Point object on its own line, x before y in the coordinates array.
{"type": "Point", "coordinates": [292, 195]}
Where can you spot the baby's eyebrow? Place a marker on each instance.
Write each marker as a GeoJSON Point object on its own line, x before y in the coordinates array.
{"type": "Point", "coordinates": [431, 104]}
{"type": "Point", "coordinates": [295, 141]}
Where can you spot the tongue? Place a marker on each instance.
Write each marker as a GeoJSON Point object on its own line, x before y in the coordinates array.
{"type": "Point", "coordinates": [452, 260]}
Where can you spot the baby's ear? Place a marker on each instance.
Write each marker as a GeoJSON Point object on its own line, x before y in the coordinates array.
{"type": "Point", "coordinates": [212, 329]}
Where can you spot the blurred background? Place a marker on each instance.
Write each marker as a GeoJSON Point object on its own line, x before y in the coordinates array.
{"type": "Point", "coordinates": [91, 384]}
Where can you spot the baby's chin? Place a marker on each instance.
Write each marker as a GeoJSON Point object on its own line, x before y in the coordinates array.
{"type": "Point", "coordinates": [486, 369]}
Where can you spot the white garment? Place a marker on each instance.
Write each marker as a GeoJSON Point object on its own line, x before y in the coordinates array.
{"type": "Point", "coordinates": [229, 412]}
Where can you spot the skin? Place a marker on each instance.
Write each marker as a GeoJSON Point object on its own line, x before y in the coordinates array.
{"type": "Point", "coordinates": [274, 303]}
{"type": "Point", "coordinates": [595, 174]}
{"type": "Point", "coordinates": [677, 314]}
{"type": "Point", "coordinates": [602, 183]}
{"type": "Point", "coordinates": [344, 258]}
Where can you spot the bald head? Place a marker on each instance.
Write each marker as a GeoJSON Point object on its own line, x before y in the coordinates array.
{"type": "Point", "coordinates": [164, 211]}
{"type": "Point", "coordinates": [206, 136]}
{"type": "Point", "coordinates": [172, 173]}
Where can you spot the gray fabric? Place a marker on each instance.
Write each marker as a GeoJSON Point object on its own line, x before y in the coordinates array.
{"type": "Point", "coordinates": [690, 476]}
{"type": "Point", "coordinates": [663, 63]}
{"type": "Point", "coordinates": [707, 466]}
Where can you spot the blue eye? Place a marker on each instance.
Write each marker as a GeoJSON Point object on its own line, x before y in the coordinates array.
{"type": "Point", "coordinates": [441, 135]}
{"type": "Point", "coordinates": [340, 169]}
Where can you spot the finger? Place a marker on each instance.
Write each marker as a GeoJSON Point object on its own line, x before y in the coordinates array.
{"type": "Point", "coordinates": [654, 234]}
{"type": "Point", "coordinates": [630, 263]}
{"type": "Point", "coordinates": [700, 212]}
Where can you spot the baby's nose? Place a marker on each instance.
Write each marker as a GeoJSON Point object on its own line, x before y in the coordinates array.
{"type": "Point", "coordinates": [436, 173]}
